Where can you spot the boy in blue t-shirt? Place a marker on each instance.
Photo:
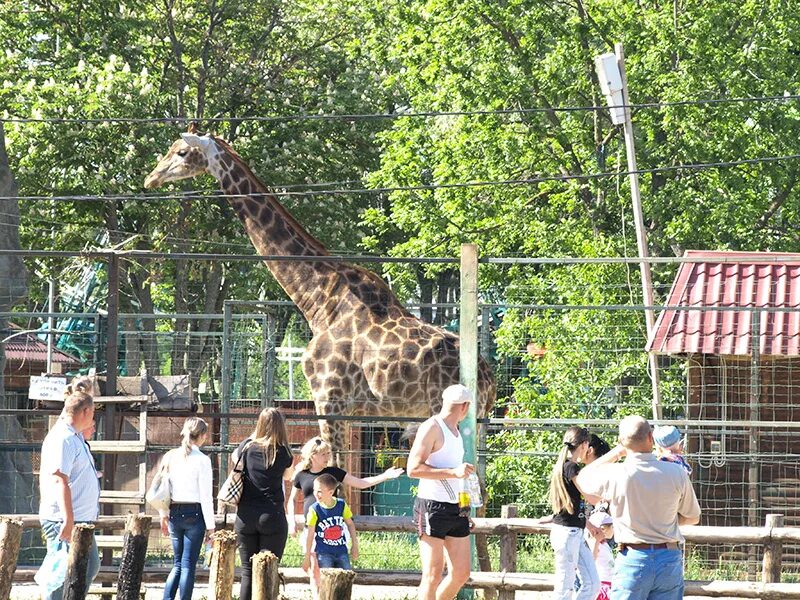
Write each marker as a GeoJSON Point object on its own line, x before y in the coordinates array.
{"type": "Point", "coordinates": [325, 535]}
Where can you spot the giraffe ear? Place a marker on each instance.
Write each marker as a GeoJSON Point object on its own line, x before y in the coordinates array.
{"type": "Point", "coordinates": [197, 141]}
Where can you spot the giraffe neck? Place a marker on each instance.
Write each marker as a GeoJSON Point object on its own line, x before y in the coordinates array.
{"type": "Point", "coordinates": [273, 230]}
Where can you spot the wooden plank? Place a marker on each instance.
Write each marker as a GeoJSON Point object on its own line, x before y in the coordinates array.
{"type": "Point", "coordinates": [117, 446]}
{"type": "Point", "coordinates": [122, 399]}
{"type": "Point", "coordinates": [109, 541]}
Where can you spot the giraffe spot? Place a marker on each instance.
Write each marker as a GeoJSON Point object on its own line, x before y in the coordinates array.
{"type": "Point", "coordinates": [374, 334]}
{"type": "Point", "coordinates": [409, 350]}
{"type": "Point", "coordinates": [395, 388]}
{"type": "Point", "coordinates": [391, 339]}
{"type": "Point", "coordinates": [408, 371]}
{"type": "Point", "coordinates": [344, 348]}
{"type": "Point", "coordinates": [266, 215]}
{"type": "Point", "coordinates": [237, 172]}
{"type": "Point", "coordinates": [279, 233]}
{"type": "Point", "coordinates": [226, 182]}
{"type": "Point", "coordinates": [251, 206]}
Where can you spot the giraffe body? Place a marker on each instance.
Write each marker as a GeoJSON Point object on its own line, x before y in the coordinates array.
{"type": "Point", "coordinates": [368, 355]}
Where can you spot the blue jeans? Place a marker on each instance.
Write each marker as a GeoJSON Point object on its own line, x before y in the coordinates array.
{"type": "Point", "coordinates": [648, 575]}
{"type": "Point", "coordinates": [572, 556]}
{"type": "Point", "coordinates": [50, 531]}
{"type": "Point", "coordinates": [187, 530]}
{"type": "Point", "coordinates": [334, 561]}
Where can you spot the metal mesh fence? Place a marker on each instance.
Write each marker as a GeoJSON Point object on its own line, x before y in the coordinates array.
{"type": "Point", "coordinates": [566, 343]}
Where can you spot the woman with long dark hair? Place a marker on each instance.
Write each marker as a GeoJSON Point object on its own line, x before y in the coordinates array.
{"type": "Point", "coordinates": [261, 516]}
{"type": "Point", "coordinates": [572, 555]}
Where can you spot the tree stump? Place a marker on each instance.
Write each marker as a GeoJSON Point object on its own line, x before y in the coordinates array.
{"type": "Point", "coordinates": [10, 537]}
{"type": "Point", "coordinates": [266, 581]}
{"type": "Point", "coordinates": [134, 553]}
{"type": "Point", "coordinates": [220, 582]}
{"type": "Point", "coordinates": [77, 581]}
{"type": "Point", "coordinates": [336, 584]}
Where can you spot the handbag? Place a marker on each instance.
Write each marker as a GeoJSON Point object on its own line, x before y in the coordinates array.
{"type": "Point", "coordinates": [159, 495]}
{"type": "Point", "coordinates": [230, 492]}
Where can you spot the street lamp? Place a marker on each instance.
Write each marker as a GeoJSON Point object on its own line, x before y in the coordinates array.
{"type": "Point", "coordinates": [610, 69]}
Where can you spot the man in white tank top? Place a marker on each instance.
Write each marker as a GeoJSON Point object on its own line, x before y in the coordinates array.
{"type": "Point", "coordinates": [437, 460]}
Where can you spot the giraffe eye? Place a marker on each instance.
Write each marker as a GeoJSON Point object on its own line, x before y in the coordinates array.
{"type": "Point", "coordinates": [182, 153]}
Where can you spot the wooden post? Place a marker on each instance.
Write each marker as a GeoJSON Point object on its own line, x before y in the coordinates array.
{"type": "Point", "coordinates": [134, 553]}
{"type": "Point", "coordinates": [220, 582]}
{"type": "Point", "coordinates": [266, 582]}
{"type": "Point", "coordinates": [76, 583]}
{"type": "Point", "coordinates": [773, 553]}
{"type": "Point", "coordinates": [336, 584]}
{"type": "Point", "coordinates": [508, 550]}
{"type": "Point", "coordinates": [10, 537]}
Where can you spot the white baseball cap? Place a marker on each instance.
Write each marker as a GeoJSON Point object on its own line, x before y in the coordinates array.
{"type": "Point", "coordinates": [600, 518]}
{"type": "Point", "coordinates": [456, 394]}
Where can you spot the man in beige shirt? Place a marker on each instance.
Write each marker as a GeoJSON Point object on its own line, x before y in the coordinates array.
{"type": "Point", "coordinates": [649, 499]}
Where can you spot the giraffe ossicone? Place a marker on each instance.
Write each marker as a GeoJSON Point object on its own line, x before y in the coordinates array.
{"type": "Point", "coordinates": [368, 355]}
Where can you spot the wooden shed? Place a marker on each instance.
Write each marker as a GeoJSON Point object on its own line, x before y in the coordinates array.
{"type": "Point", "coordinates": [735, 318]}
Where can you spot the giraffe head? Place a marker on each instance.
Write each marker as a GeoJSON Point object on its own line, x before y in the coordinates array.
{"type": "Point", "coordinates": [187, 157]}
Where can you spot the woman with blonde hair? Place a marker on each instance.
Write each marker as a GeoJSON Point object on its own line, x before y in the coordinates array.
{"type": "Point", "coordinates": [266, 462]}
{"type": "Point", "coordinates": [572, 554]}
{"type": "Point", "coordinates": [190, 520]}
{"type": "Point", "coordinates": [315, 459]}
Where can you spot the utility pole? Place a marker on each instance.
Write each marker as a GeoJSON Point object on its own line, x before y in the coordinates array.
{"type": "Point", "coordinates": [614, 83]}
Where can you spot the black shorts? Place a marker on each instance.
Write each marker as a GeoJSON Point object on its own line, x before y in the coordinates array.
{"type": "Point", "coordinates": [439, 519]}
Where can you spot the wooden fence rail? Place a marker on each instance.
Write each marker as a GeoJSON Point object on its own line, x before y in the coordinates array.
{"type": "Point", "coordinates": [770, 536]}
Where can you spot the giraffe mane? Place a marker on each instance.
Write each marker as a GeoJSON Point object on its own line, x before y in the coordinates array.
{"type": "Point", "coordinates": [285, 214]}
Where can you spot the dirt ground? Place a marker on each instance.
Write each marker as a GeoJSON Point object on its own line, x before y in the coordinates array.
{"type": "Point", "coordinates": [293, 591]}
{"type": "Point", "coordinates": [300, 592]}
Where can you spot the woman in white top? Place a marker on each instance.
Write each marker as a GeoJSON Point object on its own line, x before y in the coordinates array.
{"type": "Point", "coordinates": [191, 513]}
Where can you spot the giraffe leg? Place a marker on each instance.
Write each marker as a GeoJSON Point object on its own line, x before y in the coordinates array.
{"type": "Point", "coordinates": [332, 431]}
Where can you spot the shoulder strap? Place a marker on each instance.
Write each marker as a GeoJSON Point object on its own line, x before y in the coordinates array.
{"type": "Point", "coordinates": [240, 459]}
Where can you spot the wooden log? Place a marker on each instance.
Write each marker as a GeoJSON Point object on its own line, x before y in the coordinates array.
{"type": "Point", "coordinates": [533, 582]}
{"type": "Point", "coordinates": [220, 582]}
{"type": "Point", "coordinates": [694, 533]}
{"type": "Point", "coordinates": [134, 553]}
{"type": "Point", "coordinates": [266, 580]}
{"type": "Point", "coordinates": [773, 554]}
{"type": "Point", "coordinates": [508, 550]}
{"type": "Point", "coordinates": [77, 581]}
{"type": "Point", "coordinates": [336, 584]}
{"type": "Point", "coordinates": [10, 538]}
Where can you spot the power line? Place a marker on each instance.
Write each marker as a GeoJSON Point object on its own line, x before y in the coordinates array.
{"type": "Point", "coordinates": [398, 115]}
{"type": "Point", "coordinates": [421, 187]}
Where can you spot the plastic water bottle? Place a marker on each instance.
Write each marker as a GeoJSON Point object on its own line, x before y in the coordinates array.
{"type": "Point", "coordinates": [209, 549]}
{"type": "Point", "coordinates": [463, 499]}
{"type": "Point", "coordinates": [474, 489]}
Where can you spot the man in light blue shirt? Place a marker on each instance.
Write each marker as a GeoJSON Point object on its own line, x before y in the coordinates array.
{"type": "Point", "coordinates": [69, 487]}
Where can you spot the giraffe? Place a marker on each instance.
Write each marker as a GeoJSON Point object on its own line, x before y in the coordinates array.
{"type": "Point", "coordinates": [368, 355]}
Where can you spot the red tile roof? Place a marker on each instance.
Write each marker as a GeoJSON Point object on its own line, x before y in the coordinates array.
{"type": "Point", "coordinates": [732, 280]}
{"type": "Point", "coordinates": [26, 347]}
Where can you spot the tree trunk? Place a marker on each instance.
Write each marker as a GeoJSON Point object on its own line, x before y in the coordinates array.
{"type": "Point", "coordinates": [266, 582]}
{"type": "Point", "coordinates": [134, 553]}
{"type": "Point", "coordinates": [10, 537]}
{"type": "Point", "coordinates": [77, 580]}
{"type": "Point", "coordinates": [220, 583]}
{"type": "Point", "coordinates": [336, 584]}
